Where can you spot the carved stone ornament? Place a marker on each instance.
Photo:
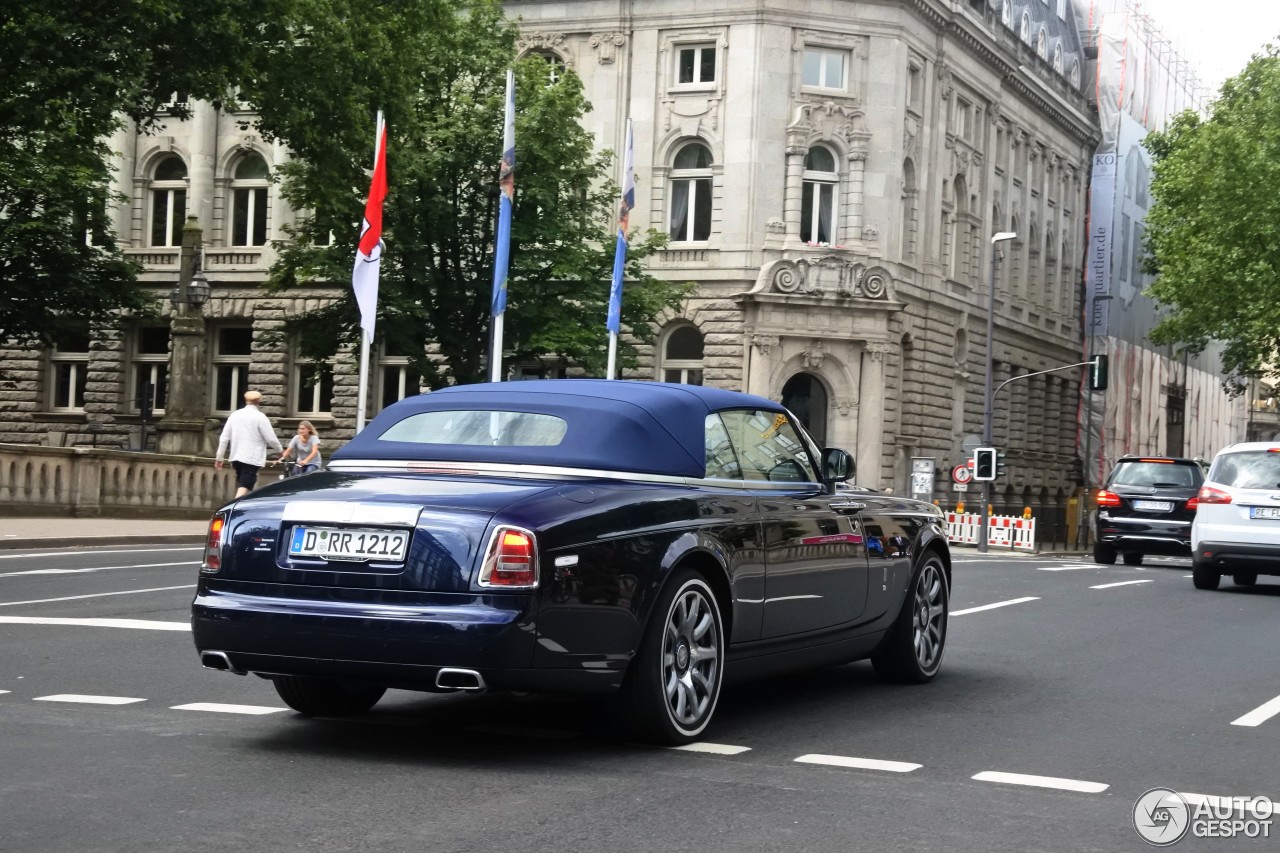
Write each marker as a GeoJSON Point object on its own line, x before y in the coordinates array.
{"type": "Point", "coordinates": [870, 232]}
{"type": "Point", "coordinates": [993, 113]}
{"type": "Point", "coordinates": [945, 86]}
{"type": "Point", "coordinates": [814, 355]}
{"type": "Point", "coordinates": [539, 41]}
{"type": "Point", "coordinates": [765, 343]}
{"type": "Point", "coordinates": [877, 350]}
{"type": "Point", "coordinates": [844, 405]}
{"type": "Point", "coordinates": [829, 274]}
{"type": "Point", "coordinates": [606, 46]}
{"type": "Point", "coordinates": [827, 120]}
{"type": "Point", "coordinates": [776, 225]}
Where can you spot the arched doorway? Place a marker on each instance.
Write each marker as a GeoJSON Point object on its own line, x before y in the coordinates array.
{"type": "Point", "coordinates": [806, 398]}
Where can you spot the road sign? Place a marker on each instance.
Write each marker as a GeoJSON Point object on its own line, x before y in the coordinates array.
{"type": "Point", "coordinates": [962, 474]}
{"type": "Point", "coordinates": [959, 487]}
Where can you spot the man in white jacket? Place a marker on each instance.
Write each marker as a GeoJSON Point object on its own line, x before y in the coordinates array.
{"type": "Point", "coordinates": [248, 434]}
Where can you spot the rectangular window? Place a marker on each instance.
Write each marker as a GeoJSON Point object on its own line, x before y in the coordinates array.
{"type": "Point", "coordinates": [397, 378]}
{"type": "Point", "coordinates": [768, 447]}
{"type": "Point", "coordinates": [696, 64]}
{"type": "Point", "coordinates": [168, 212]}
{"type": "Point", "coordinates": [314, 389]}
{"type": "Point", "coordinates": [233, 350]}
{"type": "Point", "coordinates": [691, 210]}
{"type": "Point", "coordinates": [963, 117]}
{"type": "Point", "coordinates": [249, 217]}
{"type": "Point", "coordinates": [69, 369]}
{"type": "Point", "coordinates": [824, 69]}
{"type": "Point", "coordinates": [915, 87]}
{"type": "Point", "coordinates": [150, 368]}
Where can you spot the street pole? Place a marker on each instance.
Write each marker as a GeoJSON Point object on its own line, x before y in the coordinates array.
{"type": "Point", "coordinates": [983, 519]}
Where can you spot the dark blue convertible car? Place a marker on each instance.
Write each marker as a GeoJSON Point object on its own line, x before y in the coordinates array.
{"type": "Point", "coordinates": [576, 536]}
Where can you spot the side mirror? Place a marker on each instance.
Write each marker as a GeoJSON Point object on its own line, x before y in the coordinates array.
{"type": "Point", "coordinates": [837, 465]}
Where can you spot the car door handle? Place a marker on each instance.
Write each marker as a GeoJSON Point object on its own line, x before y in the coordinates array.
{"type": "Point", "coordinates": [854, 505]}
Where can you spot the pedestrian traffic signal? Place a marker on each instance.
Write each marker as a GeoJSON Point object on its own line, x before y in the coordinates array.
{"type": "Point", "coordinates": [984, 464]}
{"type": "Point", "coordinates": [1098, 373]}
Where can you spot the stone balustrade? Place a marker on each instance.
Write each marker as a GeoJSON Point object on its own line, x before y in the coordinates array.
{"type": "Point", "coordinates": [86, 482]}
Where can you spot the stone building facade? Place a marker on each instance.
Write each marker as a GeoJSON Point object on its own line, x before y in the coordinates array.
{"type": "Point", "coordinates": [830, 175]}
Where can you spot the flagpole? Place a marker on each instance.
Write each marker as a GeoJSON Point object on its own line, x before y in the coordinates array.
{"type": "Point", "coordinates": [502, 247]}
{"type": "Point", "coordinates": [366, 337]}
{"type": "Point", "coordinates": [627, 202]}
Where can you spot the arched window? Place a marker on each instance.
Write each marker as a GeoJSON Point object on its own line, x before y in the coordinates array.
{"type": "Point", "coordinates": [555, 65]}
{"type": "Point", "coordinates": [1025, 30]}
{"type": "Point", "coordinates": [1075, 73]}
{"type": "Point", "coordinates": [804, 396]}
{"type": "Point", "coordinates": [1006, 13]}
{"type": "Point", "coordinates": [909, 210]}
{"type": "Point", "coordinates": [818, 203]}
{"type": "Point", "coordinates": [168, 201]}
{"type": "Point", "coordinates": [249, 202]}
{"type": "Point", "coordinates": [691, 194]}
{"type": "Point", "coordinates": [1057, 58]}
{"type": "Point", "coordinates": [682, 355]}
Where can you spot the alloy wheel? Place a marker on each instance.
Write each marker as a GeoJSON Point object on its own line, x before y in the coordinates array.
{"type": "Point", "coordinates": [690, 658]}
{"type": "Point", "coordinates": [929, 605]}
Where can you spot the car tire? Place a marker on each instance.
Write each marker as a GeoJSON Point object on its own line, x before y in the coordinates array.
{"type": "Point", "coordinates": [911, 652]}
{"type": "Point", "coordinates": [673, 684]}
{"type": "Point", "coordinates": [1104, 554]}
{"type": "Point", "coordinates": [1132, 559]}
{"type": "Point", "coordinates": [1245, 579]}
{"type": "Point", "coordinates": [1204, 577]}
{"type": "Point", "coordinates": [323, 697]}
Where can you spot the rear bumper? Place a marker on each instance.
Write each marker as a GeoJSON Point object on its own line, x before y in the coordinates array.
{"type": "Point", "coordinates": [404, 643]}
{"type": "Point", "coordinates": [1150, 536]}
{"type": "Point", "coordinates": [1231, 557]}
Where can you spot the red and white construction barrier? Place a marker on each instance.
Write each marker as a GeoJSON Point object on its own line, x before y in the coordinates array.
{"type": "Point", "coordinates": [1004, 531]}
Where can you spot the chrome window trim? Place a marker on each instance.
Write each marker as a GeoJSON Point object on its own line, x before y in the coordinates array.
{"type": "Point", "coordinates": [554, 472]}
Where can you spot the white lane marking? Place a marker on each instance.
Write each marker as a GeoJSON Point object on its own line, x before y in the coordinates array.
{"type": "Point", "coordinates": [4, 691]}
{"type": "Point", "coordinates": [1253, 805]}
{"type": "Point", "coordinates": [218, 708]}
{"type": "Point", "coordinates": [88, 700]}
{"type": "Point", "coordinates": [1073, 568]}
{"type": "Point", "coordinates": [1120, 583]}
{"type": "Point", "coordinates": [96, 552]}
{"type": "Point", "coordinates": [96, 595]}
{"type": "Point", "coordinates": [1041, 782]}
{"type": "Point", "coordinates": [1260, 714]}
{"type": "Point", "coordinates": [859, 763]}
{"type": "Point", "coordinates": [94, 569]}
{"type": "Point", "coordinates": [994, 606]}
{"type": "Point", "coordinates": [139, 624]}
{"type": "Point", "coordinates": [713, 748]}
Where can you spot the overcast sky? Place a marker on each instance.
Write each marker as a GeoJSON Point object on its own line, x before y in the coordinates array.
{"type": "Point", "coordinates": [1216, 36]}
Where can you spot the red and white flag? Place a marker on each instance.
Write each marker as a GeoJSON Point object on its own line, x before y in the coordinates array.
{"type": "Point", "coordinates": [364, 278]}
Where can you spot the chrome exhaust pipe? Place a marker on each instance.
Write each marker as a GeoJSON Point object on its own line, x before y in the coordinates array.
{"type": "Point", "coordinates": [450, 678]}
{"type": "Point", "coordinates": [220, 662]}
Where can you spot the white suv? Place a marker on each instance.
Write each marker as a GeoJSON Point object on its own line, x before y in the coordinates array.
{"type": "Point", "coordinates": [1237, 525]}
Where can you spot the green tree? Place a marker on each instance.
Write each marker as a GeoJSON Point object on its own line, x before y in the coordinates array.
{"type": "Point", "coordinates": [438, 70]}
{"type": "Point", "coordinates": [1211, 231]}
{"type": "Point", "coordinates": [72, 72]}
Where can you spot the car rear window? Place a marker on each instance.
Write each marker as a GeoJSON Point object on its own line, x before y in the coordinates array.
{"type": "Point", "coordinates": [1157, 474]}
{"type": "Point", "coordinates": [485, 428]}
{"type": "Point", "coordinates": [1249, 469]}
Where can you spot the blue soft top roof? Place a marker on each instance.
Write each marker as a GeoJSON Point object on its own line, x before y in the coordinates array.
{"type": "Point", "coordinates": [644, 427]}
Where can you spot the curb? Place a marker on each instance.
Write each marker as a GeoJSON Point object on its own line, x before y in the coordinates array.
{"type": "Point", "coordinates": [102, 541]}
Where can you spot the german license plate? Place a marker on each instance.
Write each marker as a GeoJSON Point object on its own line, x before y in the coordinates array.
{"type": "Point", "coordinates": [1271, 512]}
{"type": "Point", "coordinates": [351, 545]}
{"type": "Point", "coordinates": [1153, 506]}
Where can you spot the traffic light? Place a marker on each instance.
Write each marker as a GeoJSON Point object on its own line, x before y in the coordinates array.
{"type": "Point", "coordinates": [1098, 373]}
{"type": "Point", "coordinates": [1000, 469]}
{"type": "Point", "coordinates": [984, 464]}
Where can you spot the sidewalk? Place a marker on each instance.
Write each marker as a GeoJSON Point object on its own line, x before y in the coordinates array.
{"type": "Point", "coordinates": [91, 532]}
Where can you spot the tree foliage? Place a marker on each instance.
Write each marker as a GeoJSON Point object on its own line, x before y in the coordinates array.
{"type": "Point", "coordinates": [1212, 235]}
{"type": "Point", "coordinates": [72, 72]}
{"type": "Point", "coordinates": [437, 68]}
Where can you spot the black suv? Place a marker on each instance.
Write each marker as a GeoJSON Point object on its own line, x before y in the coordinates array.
{"type": "Point", "coordinates": [1146, 507]}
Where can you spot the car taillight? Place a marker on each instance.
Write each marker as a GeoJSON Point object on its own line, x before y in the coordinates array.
{"type": "Point", "coordinates": [1210, 495]}
{"type": "Point", "coordinates": [511, 561]}
{"type": "Point", "coordinates": [1106, 498]}
{"type": "Point", "coordinates": [213, 546]}
{"type": "Point", "coordinates": [1192, 504]}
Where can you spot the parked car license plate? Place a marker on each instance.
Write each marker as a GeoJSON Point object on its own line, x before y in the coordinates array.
{"type": "Point", "coordinates": [352, 545]}
{"type": "Point", "coordinates": [1272, 512]}
{"type": "Point", "coordinates": [1153, 506]}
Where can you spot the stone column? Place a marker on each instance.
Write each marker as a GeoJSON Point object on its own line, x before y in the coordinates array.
{"type": "Point", "coordinates": [795, 189]}
{"type": "Point", "coordinates": [762, 347]}
{"type": "Point", "coordinates": [182, 429]}
{"type": "Point", "coordinates": [870, 450]}
{"type": "Point", "coordinates": [204, 147]}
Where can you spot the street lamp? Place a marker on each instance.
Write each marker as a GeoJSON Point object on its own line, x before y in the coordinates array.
{"type": "Point", "coordinates": [193, 293]}
{"type": "Point", "coordinates": [983, 519]}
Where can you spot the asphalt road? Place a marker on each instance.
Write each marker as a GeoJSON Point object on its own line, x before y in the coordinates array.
{"type": "Point", "coordinates": [1107, 680]}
